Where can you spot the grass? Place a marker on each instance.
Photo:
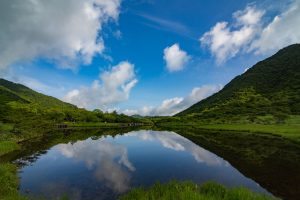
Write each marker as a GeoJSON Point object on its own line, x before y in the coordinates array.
{"type": "Point", "coordinates": [9, 182]}
{"type": "Point", "coordinates": [11, 135]}
{"type": "Point", "coordinates": [6, 127]}
{"type": "Point", "coordinates": [293, 119]}
{"type": "Point", "coordinates": [191, 191]}
{"type": "Point", "coordinates": [291, 131]}
{"type": "Point", "coordinates": [8, 146]}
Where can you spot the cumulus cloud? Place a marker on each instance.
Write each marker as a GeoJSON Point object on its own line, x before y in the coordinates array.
{"type": "Point", "coordinates": [63, 31]}
{"type": "Point", "coordinates": [248, 33]}
{"type": "Point", "coordinates": [282, 31]}
{"type": "Point", "coordinates": [174, 105]}
{"type": "Point", "coordinates": [113, 87]}
{"type": "Point", "coordinates": [175, 58]}
{"type": "Point", "coordinates": [225, 41]}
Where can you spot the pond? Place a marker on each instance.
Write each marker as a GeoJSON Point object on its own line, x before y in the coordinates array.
{"type": "Point", "coordinates": [105, 167]}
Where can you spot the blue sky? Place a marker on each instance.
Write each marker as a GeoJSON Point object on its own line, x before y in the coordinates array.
{"type": "Point", "coordinates": [144, 57]}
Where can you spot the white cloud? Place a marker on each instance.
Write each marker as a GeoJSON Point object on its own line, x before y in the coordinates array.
{"type": "Point", "coordinates": [225, 41]}
{"type": "Point", "coordinates": [174, 105]}
{"type": "Point", "coordinates": [282, 31]}
{"type": "Point", "coordinates": [249, 34]}
{"type": "Point", "coordinates": [144, 111]}
{"type": "Point", "coordinates": [176, 59]}
{"type": "Point", "coordinates": [113, 87]}
{"type": "Point", "coordinates": [63, 31]}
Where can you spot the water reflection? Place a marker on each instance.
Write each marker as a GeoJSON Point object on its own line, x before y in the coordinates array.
{"type": "Point", "coordinates": [105, 167]}
{"type": "Point", "coordinates": [176, 142]}
{"type": "Point", "coordinates": [110, 160]}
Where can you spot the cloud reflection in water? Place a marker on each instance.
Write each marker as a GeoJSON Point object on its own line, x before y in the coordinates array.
{"type": "Point", "coordinates": [176, 142]}
{"type": "Point", "coordinates": [110, 161]}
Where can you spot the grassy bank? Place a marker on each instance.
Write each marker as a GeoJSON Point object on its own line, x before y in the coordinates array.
{"type": "Point", "coordinates": [7, 139]}
{"type": "Point", "coordinates": [192, 191]}
{"type": "Point", "coordinates": [10, 138]}
{"type": "Point", "coordinates": [287, 130]}
{"type": "Point", "coordinates": [9, 182]}
{"type": "Point", "coordinates": [8, 146]}
{"type": "Point", "coordinates": [291, 131]}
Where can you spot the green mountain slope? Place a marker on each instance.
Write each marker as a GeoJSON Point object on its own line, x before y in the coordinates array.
{"type": "Point", "coordinates": [7, 95]}
{"type": "Point", "coordinates": [21, 105]}
{"type": "Point", "coordinates": [270, 88]}
{"type": "Point", "coordinates": [30, 96]}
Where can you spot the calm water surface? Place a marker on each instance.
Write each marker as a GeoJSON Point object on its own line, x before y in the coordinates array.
{"type": "Point", "coordinates": [105, 167]}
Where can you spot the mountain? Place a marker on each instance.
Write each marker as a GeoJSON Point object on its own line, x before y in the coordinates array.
{"type": "Point", "coordinates": [16, 92]}
{"type": "Point", "coordinates": [269, 88]}
{"type": "Point", "coordinates": [21, 105]}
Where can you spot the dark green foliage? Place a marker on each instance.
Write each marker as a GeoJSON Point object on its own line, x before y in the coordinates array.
{"type": "Point", "coordinates": [271, 87]}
